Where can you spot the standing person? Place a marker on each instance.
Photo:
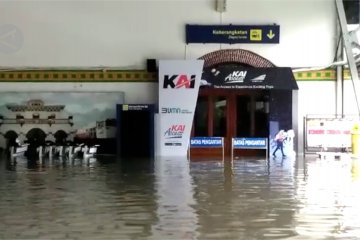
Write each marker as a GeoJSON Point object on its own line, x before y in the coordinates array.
{"type": "Point", "coordinates": [279, 139]}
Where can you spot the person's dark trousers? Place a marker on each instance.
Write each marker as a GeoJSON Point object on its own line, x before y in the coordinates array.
{"type": "Point", "coordinates": [280, 146]}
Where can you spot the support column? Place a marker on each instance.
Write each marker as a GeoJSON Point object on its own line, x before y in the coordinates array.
{"type": "Point", "coordinates": [339, 91]}
{"type": "Point", "coordinates": [339, 111]}
{"type": "Point", "coordinates": [349, 41]}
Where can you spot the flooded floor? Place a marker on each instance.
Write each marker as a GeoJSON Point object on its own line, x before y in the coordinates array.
{"type": "Point", "coordinates": [291, 198]}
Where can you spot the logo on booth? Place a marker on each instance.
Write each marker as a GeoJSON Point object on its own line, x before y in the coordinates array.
{"type": "Point", "coordinates": [175, 131]}
{"type": "Point", "coordinates": [179, 81]}
{"type": "Point", "coordinates": [175, 110]}
{"type": "Point", "coordinates": [236, 77]}
{"type": "Point", "coordinates": [260, 78]}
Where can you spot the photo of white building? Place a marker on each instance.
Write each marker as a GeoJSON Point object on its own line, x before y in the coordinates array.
{"type": "Point", "coordinates": [55, 117]}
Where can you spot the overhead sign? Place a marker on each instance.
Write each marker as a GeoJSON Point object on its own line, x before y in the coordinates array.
{"type": "Point", "coordinates": [232, 34]}
{"type": "Point", "coordinates": [179, 82]}
{"type": "Point", "coordinates": [237, 77]}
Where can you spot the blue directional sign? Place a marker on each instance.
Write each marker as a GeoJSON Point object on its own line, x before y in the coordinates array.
{"type": "Point", "coordinates": [206, 142]}
{"type": "Point", "coordinates": [232, 34]}
{"type": "Point", "coordinates": [250, 143]}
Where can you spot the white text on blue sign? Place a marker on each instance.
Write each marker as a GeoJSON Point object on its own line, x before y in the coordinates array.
{"type": "Point", "coordinates": [249, 143]}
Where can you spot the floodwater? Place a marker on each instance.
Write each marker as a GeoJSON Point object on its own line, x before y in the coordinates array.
{"type": "Point", "coordinates": [291, 198]}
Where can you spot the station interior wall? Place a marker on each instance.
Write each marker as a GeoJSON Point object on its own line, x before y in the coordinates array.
{"type": "Point", "coordinates": [120, 34]}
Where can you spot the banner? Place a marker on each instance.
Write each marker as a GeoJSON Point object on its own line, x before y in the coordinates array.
{"type": "Point", "coordinates": [179, 82]}
{"type": "Point", "coordinates": [235, 77]}
{"type": "Point", "coordinates": [329, 132]}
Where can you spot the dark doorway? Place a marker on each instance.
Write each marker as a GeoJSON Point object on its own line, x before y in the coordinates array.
{"type": "Point", "coordinates": [243, 115]}
{"type": "Point", "coordinates": [135, 131]}
{"type": "Point", "coordinates": [36, 135]}
{"type": "Point", "coordinates": [10, 137]}
{"type": "Point", "coordinates": [60, 137]}
{"type": "Point", "coordinates": [280, 111]}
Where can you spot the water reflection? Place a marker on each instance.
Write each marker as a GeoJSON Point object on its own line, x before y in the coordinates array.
{"type": "Point", "coordinates": [173, 198]}
{"type": "Point", "coordinates": [329, 202]}
{"type": "Point", "coordinates": [241, 200]}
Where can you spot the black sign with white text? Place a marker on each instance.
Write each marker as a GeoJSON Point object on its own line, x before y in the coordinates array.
{"type": "Point", "coordinates": [237, 77]}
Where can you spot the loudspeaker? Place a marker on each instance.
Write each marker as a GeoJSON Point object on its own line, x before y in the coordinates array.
{"type": "Point", "coordinates": [220, 5]}
{"type": "Point", "coordinates": [151, 65]}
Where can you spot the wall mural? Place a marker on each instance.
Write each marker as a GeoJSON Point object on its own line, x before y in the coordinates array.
{"type": "Point", "coordinates": [59, 118]}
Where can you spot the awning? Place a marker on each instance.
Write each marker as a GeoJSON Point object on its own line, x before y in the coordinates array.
{"type": "Point", "coordinates": [238, 77]}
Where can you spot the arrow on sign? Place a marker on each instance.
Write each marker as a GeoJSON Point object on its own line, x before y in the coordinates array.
{"type": "Point", "coordinates": [270, 35]}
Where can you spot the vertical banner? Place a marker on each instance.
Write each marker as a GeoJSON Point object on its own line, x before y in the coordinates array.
{"type": "Point", "coordinates": [179, 82]}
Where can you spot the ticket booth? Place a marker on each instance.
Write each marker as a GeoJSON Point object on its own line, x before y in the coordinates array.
{"type": "Point", "coordinates": [239, 100]}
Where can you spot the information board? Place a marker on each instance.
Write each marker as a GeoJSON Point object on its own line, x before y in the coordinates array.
{"type": "Point", "coordinates": [232, 34]}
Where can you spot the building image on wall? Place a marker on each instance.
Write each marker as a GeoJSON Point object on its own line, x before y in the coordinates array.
{"type": "Point", "coordinates": [57, 118]}
{"type": "Point", "coordinates": [35, 120]}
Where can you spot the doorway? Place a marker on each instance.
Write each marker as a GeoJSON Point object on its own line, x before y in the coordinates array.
{"type": "Point", "coordinates": [135, 126]}
{"type": "Point", "coordinates": [231, 113]}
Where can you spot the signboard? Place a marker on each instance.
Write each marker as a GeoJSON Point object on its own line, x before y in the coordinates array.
{"type": "Point", "coordinates": [135, 130]}
{"type": "Point", "coordinates": [329, 132]}
{"type": "Point", "coordinates": [207, 142]}
{"type": "Point", "coordinates": [232, 34]}
{"type": "Point", "coordinates": [134, 107]}
{"type": "Point", "coordinates": [179, 82]}
{"type": "Point", "coordinates": [249, 143]}
{"type": "Point", "coordinates": [236, 77]}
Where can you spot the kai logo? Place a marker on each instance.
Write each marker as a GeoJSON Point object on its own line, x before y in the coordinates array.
{"type": "Point", "coordinates": [236, 77]}
{"type": "Point", "coordinates": [175, 131]}
{"type": "Point", "coordinates": [179, 81]}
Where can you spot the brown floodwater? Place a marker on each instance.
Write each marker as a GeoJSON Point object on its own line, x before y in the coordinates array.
{"type": "Point", "coordinates": [173, 198]}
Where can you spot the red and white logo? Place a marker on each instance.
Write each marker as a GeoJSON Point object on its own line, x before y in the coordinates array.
{"type": "Point", "coordinates": [175, 131]}
{"type": "Point", "coordinates": [179, 81]}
